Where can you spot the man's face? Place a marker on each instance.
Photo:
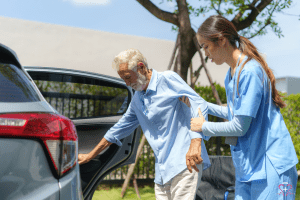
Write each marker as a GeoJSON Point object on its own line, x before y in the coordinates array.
{"type": "Point", "coordinates": [133, 79]}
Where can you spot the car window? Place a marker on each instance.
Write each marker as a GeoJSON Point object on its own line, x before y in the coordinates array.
{"type": "Point", "coordinates": [15, 86]}
{"type": "Point", "coordinates": [82, 97]}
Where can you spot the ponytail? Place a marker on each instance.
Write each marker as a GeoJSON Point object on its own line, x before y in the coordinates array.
{"type": "Point", "coordinates": [246, 47]}
{"type": "Point", "coordinates": [216, 26]}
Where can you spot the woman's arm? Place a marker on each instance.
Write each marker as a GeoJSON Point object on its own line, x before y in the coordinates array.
{"type": "Point", "coordinates": [237, 127]}
{"type": "Point", "coordinates": [213, 109]}
{"type": "Point", "coordinates": [218, 111]}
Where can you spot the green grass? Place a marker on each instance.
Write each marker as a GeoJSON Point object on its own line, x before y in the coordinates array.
{"type": "Point", "coordinates": [298, 191]}
{"type": "Point", "coordinates": [114, 193]}
{"type": "Point", "coordinates": [147, 193]}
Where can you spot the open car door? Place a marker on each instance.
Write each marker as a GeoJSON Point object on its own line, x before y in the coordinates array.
{"type": "Point", "coordinates": [94, 103]}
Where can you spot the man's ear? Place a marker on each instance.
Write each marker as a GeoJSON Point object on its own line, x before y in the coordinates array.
{"type": "Point", "coordinates": [141, 68]}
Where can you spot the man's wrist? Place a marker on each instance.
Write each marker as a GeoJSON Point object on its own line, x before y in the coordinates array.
{"type": "Point", "coordinates": [196, 140]}
{"type": "Point", "coordinates": [89, 156]}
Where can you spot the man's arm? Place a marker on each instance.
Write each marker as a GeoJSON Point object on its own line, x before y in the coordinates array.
{"type": "Point", "coordinates": [122, 129]}
{"type": "Point", "coordinates": [84, 158]}
{"type": "Point", "coordinates": [180, 87]}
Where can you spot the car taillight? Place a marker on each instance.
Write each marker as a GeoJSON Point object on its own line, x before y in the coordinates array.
{"type": "Point", "coordinates": [57, 132]}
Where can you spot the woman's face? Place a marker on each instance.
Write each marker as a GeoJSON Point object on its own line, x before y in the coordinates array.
{"type": "Point", "coordinates": [213, 51]}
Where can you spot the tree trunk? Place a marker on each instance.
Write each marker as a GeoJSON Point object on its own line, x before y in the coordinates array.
{"type": "Point", "coordinates": [187, 34]}
{"type": "Point", "coordinates": [174, 53]}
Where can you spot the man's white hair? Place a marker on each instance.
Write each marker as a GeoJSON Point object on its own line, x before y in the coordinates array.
{"type": "Point", "coordinates": [131, 57]}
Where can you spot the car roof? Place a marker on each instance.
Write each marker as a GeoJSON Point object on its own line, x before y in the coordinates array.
{"type": "Point", "coordinates": [74, 72]}
{"type": "Point", "coordinates": [7, 55]}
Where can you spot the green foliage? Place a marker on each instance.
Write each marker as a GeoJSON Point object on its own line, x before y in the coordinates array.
{"type": "Point", "coordinates": [291, 116]}
{"type": "Point", "coordinates": [230, 8]}
{"type": "Point", "coordinates": [207, 94]}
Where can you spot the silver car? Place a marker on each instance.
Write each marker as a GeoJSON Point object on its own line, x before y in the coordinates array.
{"type": "Point", "coordinates": [47, 117]}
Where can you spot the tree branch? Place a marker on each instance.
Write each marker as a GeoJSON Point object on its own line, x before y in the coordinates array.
{"type": "Point", "coordinates": [160, 14]}
{"type": "Point", "coordinates": [253, 3]}
{"type": "Point", "coordinates": [219, 6]}
{"type": "Point", "coordinates": [255, 11]}
{"type": "Point", "coordinates": [195, 75]}
{"type": "Point", "coordinates": [217, 10]}
{"type": "Point", "coordinates": [268, 23]}
{"type": "Point", "coordinates": [174, 52]}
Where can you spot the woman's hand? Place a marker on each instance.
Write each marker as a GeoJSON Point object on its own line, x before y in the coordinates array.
{"type": "Point", "coordinates": [197, 123]}
{"type": "Point", "coordinates": [83, 158]}
{"type": "Point", "coordinates": [185, 100]}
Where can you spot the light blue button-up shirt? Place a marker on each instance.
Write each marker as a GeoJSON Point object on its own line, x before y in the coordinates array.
{"type": "Point", "coordinates": [267, 137]}
{"type": "Point", "coordinates": [165, 122]}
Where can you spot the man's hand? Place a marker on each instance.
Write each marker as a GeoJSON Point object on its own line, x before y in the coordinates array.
{"type": "Point", "coordinates": [193, 156]}
{"type": "Point", "coordinates": [185, 100]}
{"type": "Point", "coordinates": [83, 158]}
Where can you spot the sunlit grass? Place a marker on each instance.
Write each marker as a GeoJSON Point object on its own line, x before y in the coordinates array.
{"type": "Point", "coordinates": [114, 193]}
{"type": "Point", "coordinates": [298, 191]}
{"type": "Point", "coordinates": [147, 193]}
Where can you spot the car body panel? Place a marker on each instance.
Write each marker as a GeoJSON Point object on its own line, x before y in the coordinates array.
{"type": "Point", "coordinates": [23, 172]}
{"type": "Point", "coordinates": [26, 169]}
{"type": "Point", "coordinates": [90, 130]}
{"type": "Point", "coordinates": [69, 185]}
{"type": "Point", "coordinates": [39, 106]}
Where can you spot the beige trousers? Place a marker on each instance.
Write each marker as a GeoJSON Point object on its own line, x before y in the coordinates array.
{"type": "Point", "coordinates": [182, 187]}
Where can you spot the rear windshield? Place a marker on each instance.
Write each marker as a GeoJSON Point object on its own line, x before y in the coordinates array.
{"type": "Point", "coordinates": [15, 86]}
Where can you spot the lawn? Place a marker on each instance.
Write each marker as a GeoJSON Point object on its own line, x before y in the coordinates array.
{"type": "Point", "coordinates": [147, 193]}
{"type": "Point", "coordinates": [298, 191]}
{"type": "Point", "coordinates": [114, 193]}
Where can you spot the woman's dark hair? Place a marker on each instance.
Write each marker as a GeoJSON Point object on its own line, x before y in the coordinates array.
{"type": "Point", "coordinates": [217, 26]}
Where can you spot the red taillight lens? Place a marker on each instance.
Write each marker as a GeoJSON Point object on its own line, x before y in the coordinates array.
{"type": "Point", "coordinates": [56, 131]}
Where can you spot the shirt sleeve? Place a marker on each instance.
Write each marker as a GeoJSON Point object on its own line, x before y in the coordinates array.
{"type": "Point", "coordinates": [181, 88]}
{"type": "Point", "coordinates": [124, 127]}
{"type": "Point", "coordinates": [218, 111]}
{"type": "Point", "coordinates": [250, 94]}
{"type": "Point", "coordinates": [237, 127]}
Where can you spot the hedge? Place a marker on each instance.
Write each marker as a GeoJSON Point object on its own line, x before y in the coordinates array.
{"type": "Point", "coordinates": [291, 116]}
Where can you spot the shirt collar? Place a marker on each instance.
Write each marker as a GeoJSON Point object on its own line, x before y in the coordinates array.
{"type": "Point", "coordinates": [153, 81]}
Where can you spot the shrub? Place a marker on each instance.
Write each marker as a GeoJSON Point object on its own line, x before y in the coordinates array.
{"type": "Point", "coordinates": [291, 116]}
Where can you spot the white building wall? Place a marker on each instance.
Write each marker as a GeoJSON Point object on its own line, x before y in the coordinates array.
{"type": "Point", "coordinates": [281, 85]}
{"type": "Point", "coordinates": [289, 85]}
{"type": "Point", "coordinates": [293, 85]}
{"type": "Point", "coordinates": [50, 45]}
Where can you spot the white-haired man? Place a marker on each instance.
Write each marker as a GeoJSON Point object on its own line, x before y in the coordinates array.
{"type": "Point", "coordinates": [165, 121]}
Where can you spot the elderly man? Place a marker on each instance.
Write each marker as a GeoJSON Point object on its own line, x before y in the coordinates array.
{"type": "Point", "coordinates": [165, 121]}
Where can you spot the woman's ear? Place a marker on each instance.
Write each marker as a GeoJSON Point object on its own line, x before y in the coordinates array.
{"type": "Point", "coordinates": [222, 41]}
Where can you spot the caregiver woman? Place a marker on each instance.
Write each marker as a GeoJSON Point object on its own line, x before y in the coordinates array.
{"type": "Point", "coordinates": [264, 156]}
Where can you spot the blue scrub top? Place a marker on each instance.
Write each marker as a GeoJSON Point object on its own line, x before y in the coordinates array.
{"type": "Point", "coordinates": [267, 135]}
